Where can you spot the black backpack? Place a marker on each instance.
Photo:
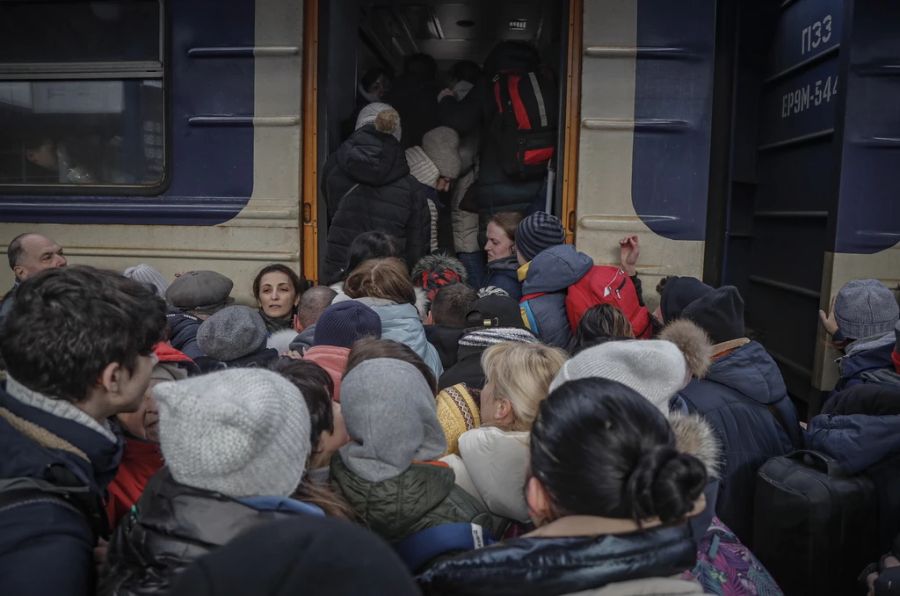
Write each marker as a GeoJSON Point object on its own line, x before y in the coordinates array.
{"type": "Point", "coordinates": [524, 126]}
{"type": "Point", "coordinates": [814, 527]}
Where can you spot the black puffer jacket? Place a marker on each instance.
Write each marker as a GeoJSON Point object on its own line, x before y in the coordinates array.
{"type": "Point", "coordinates": [368, 187]}
{"type": "Point", "coordinates": [562, 565]}
{"type": "Point", "coordinates": [173, 525]}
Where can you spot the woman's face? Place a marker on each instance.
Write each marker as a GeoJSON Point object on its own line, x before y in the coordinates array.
{"type": "Point", "coordinates": [499, 245]}
{"type": "Point", "coordinates": [144, 422]}
{"type": "Point", "coordinates": [277, 296]}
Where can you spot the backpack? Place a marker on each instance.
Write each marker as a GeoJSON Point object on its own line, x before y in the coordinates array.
{"type": "Point", "coordinates": [605, 284]}
{"type": "Point", "coordinates": [524, 127]}
{"type": "Point", "coordinates": [814, 526]}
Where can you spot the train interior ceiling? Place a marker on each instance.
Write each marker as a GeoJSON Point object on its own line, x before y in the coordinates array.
{"type": "Point", "coordinates": [385, 32]}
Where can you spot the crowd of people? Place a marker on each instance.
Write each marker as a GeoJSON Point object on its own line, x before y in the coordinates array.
{"type": "Point", "coordinates": [493, 417]}
{"type": "Point", "coordinates": [403, 434]}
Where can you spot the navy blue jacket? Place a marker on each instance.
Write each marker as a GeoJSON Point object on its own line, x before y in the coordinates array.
{"type": "Point", "coordinates": [744, 399]}
{"type": "Point", "coordinates": [46, 546]}
{"type": "Point", "coordinates": [865, 355]}
{"type": "Point", "coordinates": [860, 428]}
{"type": "Point", "coordinates": [503, 274]}
{"type": "Point", "coordinates": [183, 333]}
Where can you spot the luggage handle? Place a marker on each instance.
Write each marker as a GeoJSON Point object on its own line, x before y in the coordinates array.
{"type": "Point", "coordinates": [820, 461]}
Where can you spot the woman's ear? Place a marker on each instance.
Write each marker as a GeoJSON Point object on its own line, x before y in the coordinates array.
{"type": "Point", "coordinates": [504, 412]}
{"type": "Point", "coordinates": [539, 507]}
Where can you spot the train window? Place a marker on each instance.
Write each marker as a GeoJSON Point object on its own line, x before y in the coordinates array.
{"type": "Point", "coordinates": [82, 99]}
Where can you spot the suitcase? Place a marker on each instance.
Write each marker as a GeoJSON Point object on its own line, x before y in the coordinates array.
{"type": "Point", "coordinates": [814, 527]}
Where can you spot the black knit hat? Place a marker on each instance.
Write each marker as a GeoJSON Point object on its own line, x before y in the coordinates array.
{"type": "Point", "coordinates": [343, 323]}
{"type": "Point", "coordinates": [719, 312]}
{"type": "Point", "coordinates": [537, 232]}
{"type": "Point", "coordinates": [678, 293]}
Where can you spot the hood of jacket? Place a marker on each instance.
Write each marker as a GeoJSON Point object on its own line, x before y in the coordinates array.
{"type": "Point", "coordinates": [535, 565]}
{"type": "Point", "coordinates": [392, 508]}
{"type": "Point", "coordinates": [173, 525]}
{"type": "Point", "coordinates": [860, 426]}
{"type": "Point", "coordinates": [446, 341]}
{"type": "Point", "coordinates": [401, 323]}
{"type": "Point", "coordinates": [750, 371]}
{"type": "Point", "coordinates": [304, 339]}
{"type": "Point", "coordinates": [867, 354]}
{"type": "Point", "coordinates": [372, 158]}
{"type": "Point", "coordinates": [555, 269]}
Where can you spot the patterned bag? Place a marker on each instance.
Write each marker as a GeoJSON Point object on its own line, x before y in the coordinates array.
{"type": "Point", "coordinates": [727, 567]}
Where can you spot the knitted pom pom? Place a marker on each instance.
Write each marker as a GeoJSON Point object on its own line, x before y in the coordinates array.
{"type": "Point", "coordinates": [693, 342]}
{"type": "Point", "coordinates": [387, 121]}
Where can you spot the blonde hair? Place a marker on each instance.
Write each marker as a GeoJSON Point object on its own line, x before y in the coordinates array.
{"type": "Point", "coordinates": [522, 374]}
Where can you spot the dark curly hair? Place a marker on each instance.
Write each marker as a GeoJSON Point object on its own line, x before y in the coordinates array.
{"type": "Point", "coordinates": [300, 284]}
{"type": "Point", "coordinates": [600, 448]}
{"type": "Point", "coordinates": [66, 325]}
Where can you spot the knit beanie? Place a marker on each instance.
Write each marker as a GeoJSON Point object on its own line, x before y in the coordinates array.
{"type": "Point", "coordinates": [384, 117]}
{"type": "Point", "coordinates": [422, 168]}
{"type": "Point", "coordinates": [344, 323]}
{"type": "Point", "coordinates": [719, 312]}
{"type": "Point", "coordinates": [313, 556]}
{"type": "Point", "coordinates": [457, 411]}
{"type": "Point", "coordinates": [148, 275]}
{"type": "Point", "coordinates": [865, 307]}
{"type": "Point", "coordinates": [677, 293]}
{"type": "Point", "coordinates": [240, 432]}
{"type": "Point", "coordinates": [391, 416]}
{"type": "Point", "coordinates": [232, 333]}
{"type": "Point", "coordinates": [484, 338]}
{"type": "Point", "coordinates": [654, 368]}
{"type": "Point", "coordinates": [441, 144]}
{"type": "Point", "coordinates": [537, 232]}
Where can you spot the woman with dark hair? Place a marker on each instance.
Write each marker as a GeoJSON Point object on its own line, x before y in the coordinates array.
{"type": "Point", "coordinates": [599, 323]}
{"type": "Point", "coordinates": [610, 494]}
{"type": "Point", "coordinates": [277, 290]}
{"type": "Point", "coordinates": [384, 285]}
{"type": "Point", "coordinates": [502, 264]}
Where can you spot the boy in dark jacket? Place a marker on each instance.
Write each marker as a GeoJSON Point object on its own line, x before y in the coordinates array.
{"type": "Point", "coordinates": [744, 399]}
{"type": "Point", "coordinates": [446, 322]}
{"type": "Point", "coordinates": [78, 347]}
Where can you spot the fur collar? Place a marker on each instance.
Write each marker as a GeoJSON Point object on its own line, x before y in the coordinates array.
{"type": "Point", "coordinates": [695, 436]}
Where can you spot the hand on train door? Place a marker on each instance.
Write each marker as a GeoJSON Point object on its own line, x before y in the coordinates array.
{"type": "Point", "coordinates": [629, 251]}
{"type": "Point", "coordinates": [827, 319]}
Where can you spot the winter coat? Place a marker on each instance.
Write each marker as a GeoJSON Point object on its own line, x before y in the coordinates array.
{"type": "Point", "coordinates": [472, 344]}
{"type": "Point", "coordinates": [174, 524]}
{"type": "Point", "coordinates": [744, 399]}
{"type": "Point", "coordinates": [334, 360]}
{"type": "Point", "coordinates": [503, 274]}
{"type": "Point", "coordinates": [492, 466]}
{"type": "Point", "coordinates": [549, 275]}
{"type": "Point", "coordinates": [863, 358]}
{"type": "Point", "coordinates": [304, 339]}
{"type": "Point", "coordinates": [401, 323]}
{"type": "Point", "coordinates": [140, 461]}
{"type": "Point", "coordinates": [860, 428]}
{"type": "Point", "coordinates": [368, 187]}
{"type": "Point", "coordinates": [424, 496]}
{"type": "Point", "coordinates": [446, 341]}
{"type": "Point", "coordinates": [415, 99]}
{"type": "Point", "coordinates": [577, 554]}
{"type": "Point", "coordinates": [46, 541]}
{"type": "Point", "coordinates": [182, 330]}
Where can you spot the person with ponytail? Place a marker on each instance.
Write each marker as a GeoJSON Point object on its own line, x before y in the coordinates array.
{"type": "Point", "coordinates": [610, 494]}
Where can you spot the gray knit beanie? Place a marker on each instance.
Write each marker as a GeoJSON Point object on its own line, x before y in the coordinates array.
{"type": "Point", "coordinates": [421, 167]}
{"type": "Point", "coordinates": [654, 368]}
{"type": "Point", "coordinates": [865, 307]}
{"type": "Point", "coordinates": [441, 144]}
{"type": "Point", "coordinates": [388, 123]}
{"type": "Point", "coordinates": [240, 432]}
{"type": "Point", "coordinates": [391, 417]}
{"type": "Point", "coordinates": [149, 275]}
{"type": "Point", "coordinates": [537, 232]}
{"type": "Point", "coordinates": [232, 333]}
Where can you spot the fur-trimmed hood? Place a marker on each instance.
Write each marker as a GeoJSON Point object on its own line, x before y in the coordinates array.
{"type": "Point", "coordinates": [694, 343]}
{"type": "Point", "coordinates": [695, 436]}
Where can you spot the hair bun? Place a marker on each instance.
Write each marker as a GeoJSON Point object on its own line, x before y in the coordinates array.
{"type": "Point", "coordinates": [665, 484]}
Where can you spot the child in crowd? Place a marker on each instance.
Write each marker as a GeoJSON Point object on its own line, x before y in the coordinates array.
{"type": "Point", "coordinates": [446, 322]}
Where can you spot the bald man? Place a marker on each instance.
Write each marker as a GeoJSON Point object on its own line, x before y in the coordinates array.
{"type": "Point", "coordinates": [28, 254]}
{"type": "Point", "coordinates": [312, 303]}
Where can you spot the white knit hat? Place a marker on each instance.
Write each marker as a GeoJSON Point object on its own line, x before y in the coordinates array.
{"type": "Point", "coordinates": [421, 167]}
{"type": "Point", "coordinates": [148, 275]}
{"type": "Point", "coordinates": [654, 368]}
{"type": "Point", "coordinates": [241, 432]}
{"type": "Point", "coordinates": [369, 114]}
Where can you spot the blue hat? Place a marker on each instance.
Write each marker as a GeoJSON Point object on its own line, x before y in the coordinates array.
{"type": "Point", "coordinates": [344, 323]}
{"type": "Point", "coordinates": [537, 232]}
{"type": "Point", "coordinates": [865, 307]}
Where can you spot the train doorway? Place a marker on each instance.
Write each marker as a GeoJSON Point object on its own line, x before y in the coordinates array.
{"type": "Point", "coordinates": [346, 40]}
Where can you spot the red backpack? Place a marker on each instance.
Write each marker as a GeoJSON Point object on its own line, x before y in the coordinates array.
{"type": "Point", "coordinates": [525, 125]}
{"type": "Point", "coordinates": [605, 284]}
